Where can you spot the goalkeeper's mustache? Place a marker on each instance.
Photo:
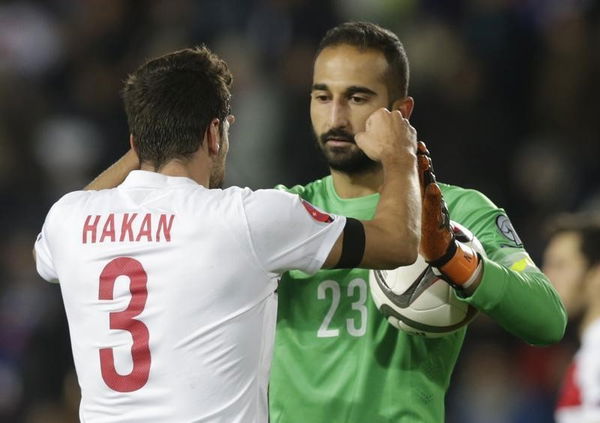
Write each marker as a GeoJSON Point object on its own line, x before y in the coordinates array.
{"type": "Point", "coordinates": [338, 135]}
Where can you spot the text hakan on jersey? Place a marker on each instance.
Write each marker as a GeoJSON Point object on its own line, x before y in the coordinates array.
{"type": "Point", "coordinates": [127, 227]}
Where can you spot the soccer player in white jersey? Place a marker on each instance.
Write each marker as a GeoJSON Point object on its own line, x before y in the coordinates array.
{"type": "Point", "coordinates": [169, 285]}
{"type": "Point", "coordinates": [572, 263]}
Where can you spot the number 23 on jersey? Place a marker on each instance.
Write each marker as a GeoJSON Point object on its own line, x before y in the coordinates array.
{"type": "Point", "coordinates": [355, 324]}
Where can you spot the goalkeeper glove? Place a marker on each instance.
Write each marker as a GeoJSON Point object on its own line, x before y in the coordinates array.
{"type": "Point", "coordinates": [441, 246]}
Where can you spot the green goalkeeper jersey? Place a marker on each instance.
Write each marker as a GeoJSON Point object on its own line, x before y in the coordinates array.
{"type": "Point", "coordinates": [337, 359]}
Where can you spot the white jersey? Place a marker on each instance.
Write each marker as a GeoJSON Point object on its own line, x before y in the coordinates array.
{"type": "Point", "coordinates": [169, 290]}
{"type": "Point", "coordinates": [579, 400]}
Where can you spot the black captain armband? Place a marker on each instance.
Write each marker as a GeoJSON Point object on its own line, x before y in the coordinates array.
{"type": "Point", "coordinates": [353, 246]}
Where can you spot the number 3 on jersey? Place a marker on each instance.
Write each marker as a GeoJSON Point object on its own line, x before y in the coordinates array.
{"type": "Point", "coordinates": [124, 320]}
{"type": "Point", "coordinates": [359, 305]}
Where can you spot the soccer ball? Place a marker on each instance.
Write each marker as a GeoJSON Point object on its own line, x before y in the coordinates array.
{"type": "Point", "coordinates": [416, 300]}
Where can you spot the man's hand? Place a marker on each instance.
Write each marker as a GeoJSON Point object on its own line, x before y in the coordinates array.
{"type": "Point", "coordinates": [116, 173]}
{"type": "Point", "coordinates": [388, 137]}
{"type": "Point", "coordinates": [459, 263]}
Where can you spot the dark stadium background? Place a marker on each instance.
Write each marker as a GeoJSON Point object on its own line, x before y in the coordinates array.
{"type": "Point", "coordinates": [505, 94]}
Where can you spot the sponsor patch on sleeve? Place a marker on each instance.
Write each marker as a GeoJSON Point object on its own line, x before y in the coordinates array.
{"type": "Point", "coordinates": [519, 262]}
{"type": "Point", "coordinates": [508, 231]}
{"type": "Point", "coordinates": [522, 265]}
{"type": "Point", "coordinates": [316, 214]}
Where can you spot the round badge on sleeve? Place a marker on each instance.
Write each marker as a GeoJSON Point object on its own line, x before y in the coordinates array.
{"type": "Point", "coordinates": [506, 228]}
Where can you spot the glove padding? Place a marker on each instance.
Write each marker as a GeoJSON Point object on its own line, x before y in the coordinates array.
{"type": "Point", "coordinates": [457, 262]}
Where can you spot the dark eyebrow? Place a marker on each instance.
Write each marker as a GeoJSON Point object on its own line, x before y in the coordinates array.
{"type": "Point", "coordinates": [355, 89]}
{"type": "Point", "coordinates": [351, 90]}
{"type": "Point", "coordinates": [319, 87]}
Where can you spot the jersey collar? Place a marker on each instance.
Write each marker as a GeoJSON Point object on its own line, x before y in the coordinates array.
{"type": "Point", "coordinates": [366, 201]}
{"type": "Point", "coordinates": [145, 178]}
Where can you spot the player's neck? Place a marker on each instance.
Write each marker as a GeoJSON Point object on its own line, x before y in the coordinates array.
{"type": "Point", "coordinates": [356, 185]}
{"type": "Point", "coordinates": [591, 315]}
{"type": "Point", "coordinates": [186, 169]}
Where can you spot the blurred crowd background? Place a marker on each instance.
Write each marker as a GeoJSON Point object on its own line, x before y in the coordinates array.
{"type": "Point", "coordinates": [505, 92]}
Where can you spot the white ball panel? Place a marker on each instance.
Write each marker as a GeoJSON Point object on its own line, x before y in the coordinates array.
{"type": "Point", "coordinates": [418, 302]}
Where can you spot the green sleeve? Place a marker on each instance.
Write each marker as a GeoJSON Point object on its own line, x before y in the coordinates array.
{"type": "Point", "coordinates": [513, 291]}
{"type": "Point", "coordinates": [525, 303]}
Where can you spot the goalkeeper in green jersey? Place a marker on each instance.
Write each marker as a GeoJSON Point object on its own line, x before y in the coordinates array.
{"type": "Point", "coordinates": [336, 357]}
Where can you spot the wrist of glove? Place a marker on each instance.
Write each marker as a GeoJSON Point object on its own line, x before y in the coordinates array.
{"type": "Point", "coordinates": [442, 242]}
{"type": "Point", "coordinates": [460, 265]}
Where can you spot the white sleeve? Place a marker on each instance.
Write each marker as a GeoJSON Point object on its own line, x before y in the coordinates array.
{"type": "Point", "coordinates": [589, 374]}
{"type": "Point", "coordinates": [43, 258]}
{"type": "Point", "coordinates": [287, 232]}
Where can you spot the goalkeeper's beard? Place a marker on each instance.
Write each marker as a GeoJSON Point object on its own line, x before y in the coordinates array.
{"type": "Point", "coordinates": [348, 159]}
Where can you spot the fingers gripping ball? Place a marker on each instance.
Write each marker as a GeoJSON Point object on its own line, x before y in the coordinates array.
{"type": "Point", "coordinates": [417, 300]}
{"type": "Point", "coordinates": [456, 261]}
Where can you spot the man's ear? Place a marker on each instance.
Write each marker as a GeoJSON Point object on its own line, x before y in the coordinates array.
{"type": "Point", "coordinates": [592, 281]}
{"type": "Point", "coordinates": [132, 143]}
{"type": "Point", "coordinates": [213, 137]}
{"type": "Point", "coordinates": [133, 146]}
{"type": "Point", "coordinates": [405, 105]}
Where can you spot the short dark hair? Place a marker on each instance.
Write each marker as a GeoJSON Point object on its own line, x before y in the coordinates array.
{"type": "Point", "coordinates": [171, 100]}
{"type": "Point", "coordinates": [367, 35]}
{"type": "Point", "coordinates": [587, 226]}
